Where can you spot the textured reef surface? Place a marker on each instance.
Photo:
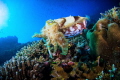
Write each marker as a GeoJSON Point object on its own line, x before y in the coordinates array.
{"type": "Point", "coordinates": [58, 56]}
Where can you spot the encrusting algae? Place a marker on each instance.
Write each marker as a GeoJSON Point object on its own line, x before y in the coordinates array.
{"type": "Point", "coordinates": [59, 56]}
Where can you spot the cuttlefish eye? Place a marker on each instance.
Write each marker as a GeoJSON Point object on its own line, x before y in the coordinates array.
{"type": "Point", "coordinates": [50, 22]}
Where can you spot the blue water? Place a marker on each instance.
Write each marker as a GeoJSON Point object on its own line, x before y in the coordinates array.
{"type": "Point", "coordinates": [28, 16]}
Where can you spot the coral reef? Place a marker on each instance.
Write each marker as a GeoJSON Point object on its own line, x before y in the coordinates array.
{"type": "Point", "coordinates": [27, 64]}
{"type": "Point", "coordinates": [104, 37]}
{"type": "Point", "coordinates": [32, 62]}
{"type": "Point", "coordinates": [96, 60]}
{"type": "Point", "coordinates": [55, 31]}
{"type": "Point", "coordinates": [23, 68]}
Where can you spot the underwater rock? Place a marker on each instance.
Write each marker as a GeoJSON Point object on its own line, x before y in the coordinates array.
{"type": "Point", "coordinates": [8, 47]}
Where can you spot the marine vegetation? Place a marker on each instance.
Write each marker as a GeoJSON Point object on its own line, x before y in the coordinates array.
{"type": "Point", "coordinates": [94, 58]}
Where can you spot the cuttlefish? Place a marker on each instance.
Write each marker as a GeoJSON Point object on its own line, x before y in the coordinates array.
{"type": "Point", "coordinates": [56, 31]}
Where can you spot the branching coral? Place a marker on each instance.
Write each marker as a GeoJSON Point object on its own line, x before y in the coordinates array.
{"type": "Point", "coordinates": [28, 63]}
{"type": "Point", "coordinates": [21, 69]}
{"type": "Point", "coordinates": [112, 14]}
{"type": "Point", "coordinates": [31, 50]}
{"type": "Point", "coordinates": [55, 31]}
